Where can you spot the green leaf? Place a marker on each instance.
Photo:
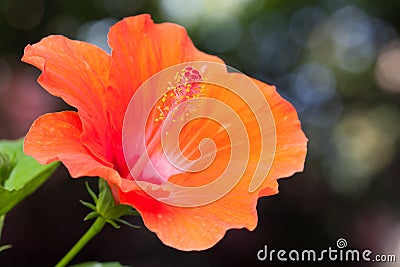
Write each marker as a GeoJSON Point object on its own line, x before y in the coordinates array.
{"type": "Point", "coordinates": [25, 176]}
{"type": "Point", "coordinates": [4, 247]}
{"type": "Point", "coordinates": [99, 264]}
{"type": "Point", "coordinates": [6, 165]}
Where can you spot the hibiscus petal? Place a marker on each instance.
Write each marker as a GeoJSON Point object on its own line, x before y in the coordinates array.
{"type": "Point", "coordinates": [291, 142]}
{"type": "Point", "coordinates": [140, 49]}
{"type": "Point", "coordinates": [78, 73]}
{"type": "Point", "coordinates": [198, 228]}
{"type": "Point", "coordinates": [56, 136]}
{"type": "Point", "coordinates": [193, 228]}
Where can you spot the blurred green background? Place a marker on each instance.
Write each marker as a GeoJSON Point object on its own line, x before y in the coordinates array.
{"type": "Point", "coordinates": [337, 61]}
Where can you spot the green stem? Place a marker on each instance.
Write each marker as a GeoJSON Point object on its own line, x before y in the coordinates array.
{"type": "Point", "coordinates": [93, 230]}
{"type": "Point", "coordinates": [2, 218]}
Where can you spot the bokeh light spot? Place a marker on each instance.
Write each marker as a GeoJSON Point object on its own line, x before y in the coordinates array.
{"type": "Point", "coordinates": [387, 71]}
{"type": "Point", "coordinates": [363, 145]}
{"type": "Point", "coordinates": [32, 13]}
{"type": "Point", "coordinates": [95, 32]}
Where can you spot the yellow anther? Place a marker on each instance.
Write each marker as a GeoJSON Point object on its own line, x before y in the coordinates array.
{"type": "Point", "coordinates": [187, 85]}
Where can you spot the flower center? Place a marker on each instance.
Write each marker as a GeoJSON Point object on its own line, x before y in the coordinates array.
{"type": "Point", "coordinates": [187, 85]}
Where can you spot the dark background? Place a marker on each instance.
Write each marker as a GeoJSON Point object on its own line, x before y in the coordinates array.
{"type": "Point", "coordinates": [337, 61]}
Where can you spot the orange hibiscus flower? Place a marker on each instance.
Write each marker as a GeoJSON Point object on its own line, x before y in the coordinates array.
{"type": "Point", "coordinates": [93, 140]}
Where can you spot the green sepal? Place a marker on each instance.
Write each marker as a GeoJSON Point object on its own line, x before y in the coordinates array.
{"type": "Point", "coordinates": [105, 202]}
{"type": "Point", "coordinates": [91, 193]}
{"type": "Point", "coordinates": [128, 223]}
{"type": "Point", "coordinates": [92, 215]}
{"type": "Point", "coordinates": [88, 205]}
{"type": "Point", "coordinates": [105, 206]}
{"type": "Point", "coordinates": [113, 224]}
